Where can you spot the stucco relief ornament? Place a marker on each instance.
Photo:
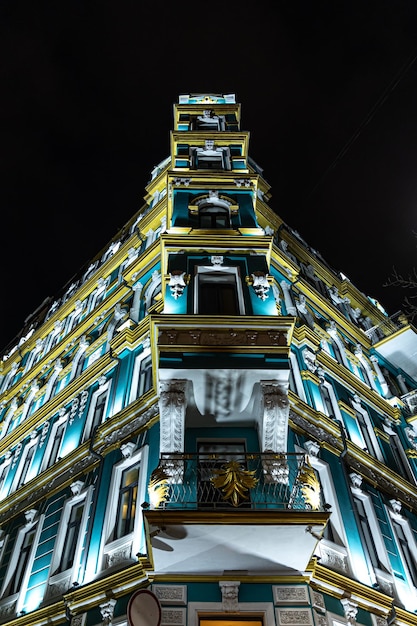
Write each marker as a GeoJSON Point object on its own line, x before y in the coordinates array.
{"type": "Point", "coordinates": [177, 284]}
{"type": "Point", "coordinates": [260, 285]}
{"type": "Point", "coordinates": [351, 610]}
{"type": "Point", "coordinates": [107, 610]}
{"type": "Point", "coordinates": [411, 436]}
{"type": "Point", "coordinates": [230, 593]}
{"type": "Point", "coordinates": [216, 260]}
{"type": "Point", "coordinates": [234, 481]}
{"type": "Point", "coordinates": [310, 360]}
{"type": "Point", "coordinates": [310, 486]}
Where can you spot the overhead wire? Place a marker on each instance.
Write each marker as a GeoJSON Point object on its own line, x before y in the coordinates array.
{"type": "Point", "coordinates": [381, 100]}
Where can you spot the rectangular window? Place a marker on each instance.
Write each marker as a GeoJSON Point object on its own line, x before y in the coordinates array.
{"type": "Point", "coordinates": [16, 581]}
{"type": "Point", "coordinates": [406, 552]}
{"type": "Point", "coordinates": [400, 458]}
{"type": "Point", "coordinates": [96, 412]}
{"type": "Point", "coordinates": [126, 506]}
{"type": "Point", "coordinates": [217, 294]}
{"type": "Point", "coordinates": [212, 456]}
{"type": "Point", "coordinates": [56, 443]}
{"type": "Point", "coordinates": [366, 532]}
{"type": "Point", "coordinates": [71, 537]}
{"type": "Point", "coordinates": [364, 428]}
{"type": "Point", "coordinates": [25, 465]}
{"type": "Point", "coordinates": [145, 375]}
{"type": "Point", "coordinates": [327, 400]}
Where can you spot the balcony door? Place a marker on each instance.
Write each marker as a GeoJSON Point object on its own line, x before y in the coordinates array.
{"type": "Point", "coordinates": [213, 456]}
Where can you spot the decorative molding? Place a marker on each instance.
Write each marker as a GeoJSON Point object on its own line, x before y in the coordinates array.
{"type": "Point", "coordinates": [290, 594]}
{"type": "Point", "coordinates": [173, 616]}
{"type": "Point", "coordinates": [172, 404]}
{"type": "Point", "coordinates": [317, 600]}
{"type": "Point", "coordinates": [230, 593]}
{"type": "Point", "coordinates": [294, 617]}
{"type": "Point", "coordinates": [171, 594]}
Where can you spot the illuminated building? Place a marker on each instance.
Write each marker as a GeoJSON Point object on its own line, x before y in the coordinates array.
{"type": "Point", "coordinates": [212, 413]}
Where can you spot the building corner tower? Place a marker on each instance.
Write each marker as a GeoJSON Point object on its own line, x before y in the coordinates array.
{"type": "Point", "coordinates": [209, 426]}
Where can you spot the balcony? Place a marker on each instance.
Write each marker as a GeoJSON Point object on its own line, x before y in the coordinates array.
{"type": "Point", "coordinates": [399, 345]}
{"type": "Point", "coordinates": [221, 514]}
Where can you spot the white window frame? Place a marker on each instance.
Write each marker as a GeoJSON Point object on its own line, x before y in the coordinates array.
{"type": "Point", "coordinates": [73, 572]}
{"type": "Point", "coordinates": [74, 317]}
{"type": "Point", "coordinates": [98, 295]}
{"type": "Point", "coordinates": [135, 389]}
{"type": "Point", "coordinates": [8, 419]}
{"type": "Point", "coordinates": [5, 466]}
{"type": "Point", "coordinates": [30, 445]}
{"type": "Point", "coordinates": [129, 545]}
{"type": "Point", "coordinates": [375, 574]}
{"type": "Point", "coordinates": [51, 440]}
{"type": "Point", "coordinates": [262, 610]}
{"type": "Point", "coordinates": [104, 388]}
{"type": "Point", "coordinates": [219, 269]}
{"type": "Point", "coordinates": [80, 354]}
{"type": "Point", "coordinates": [295, 368]}
{"type": "Point", "coordinates": [20, 537]}
{"type": "Point", "coordinates": [34, 355]}
{"type": "Point", "coordinates": [358, 408]}
{"type": "Point", "coordinates": [406, 591]}
{"type": "Point", "coordinates": [51, 382]}
{"type": "Point", "coordinates": [333, 401]}
{"type": "Point", "coordinates": [152, 288]}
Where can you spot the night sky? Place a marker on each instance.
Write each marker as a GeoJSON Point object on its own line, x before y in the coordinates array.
{"type": "Point", "coordinates": [328, 92]}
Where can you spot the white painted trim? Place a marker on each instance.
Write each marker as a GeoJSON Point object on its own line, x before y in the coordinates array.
{"type": "Point", "coordinates": [261, 609]}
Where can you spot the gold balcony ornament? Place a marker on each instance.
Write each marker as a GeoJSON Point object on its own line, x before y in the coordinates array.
{"type": "Point", "coordinates": [310, 486]}
{"type": "Point", "coordinates": [158, 487]}
{"type": "Point", "coordinates": [234, 482]}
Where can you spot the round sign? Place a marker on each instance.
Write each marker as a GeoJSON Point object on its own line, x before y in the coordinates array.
{"type": "Point", "coordinates": [144, 609]}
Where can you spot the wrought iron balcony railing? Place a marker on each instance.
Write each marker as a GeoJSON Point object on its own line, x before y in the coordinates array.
{"type": "Point", "coordinates": [235, 480]}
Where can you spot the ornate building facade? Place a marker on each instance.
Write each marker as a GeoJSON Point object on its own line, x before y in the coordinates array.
{"type": "Point", "coordinates": [211, 414]}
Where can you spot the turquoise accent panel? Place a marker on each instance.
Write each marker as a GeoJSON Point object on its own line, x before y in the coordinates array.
{"type": "Point", "coordinates": [263, 307]}
{"type": "Point", "coordinates": [33, 598]}
{"type": "Point", "coordinates": [120, 386]}
{"type": "Point", "coordinates": [175, 305]}
{"type": "Point", "coordinates": [220, 361]}
{"type": "Point", "coordinates": [246, 210]}
{"type": "Point", "coordinates": [39, 577]}
{"type": "Point", "coordinates": [239, 164]}
{"type": "Point", "coordinates": [180, 207]}
{"type": "Point", "coordinates": [42, 562]}
{"type": "Point", "coordinates": [353, 429]}
{"type": "Point", "coordinates": [259, 592]}
{"type": "Point", "coordinates": [250, 435]}
{"type": "Point", "coordinates": [207, 592]}
{"type": "Point", "coordinates": [181, 163]}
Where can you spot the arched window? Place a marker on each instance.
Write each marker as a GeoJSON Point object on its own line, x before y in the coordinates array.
{"type": "Point", "coordinates": [211, 216]}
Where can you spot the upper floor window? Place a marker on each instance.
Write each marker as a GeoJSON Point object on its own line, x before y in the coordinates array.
{"type": "Point", "coordinates": [328, 399]}
{"type": "Point", "coordinates": [97, 411]}
{"type": "Point", "coordinates": [24, 465]}
{"type": "Point", "coordinates": [366, 532]}
{"type": "Point", "coordinates": [69, 542]}
{"type": "Point", "coordinates": [213, 217]}
{"type": "Point", "coordinates": [210, 157]}
{"type": "Point", "coordinates": [122, 528]}
{"type": "Point", "coordinates": [218, 291]}
{"type": "Point", "coordinates": [142, 375]}
{"type": "Point", "coordinates": [210, 121]}
{"type": "Point", "coordinates": [53, 446]}
{"type": "Point", "coordinates": [21, 560]}
{"type": "Point", "coordinates": [16, 580]}
{"type": "Point", "coordinates": [407, 548]}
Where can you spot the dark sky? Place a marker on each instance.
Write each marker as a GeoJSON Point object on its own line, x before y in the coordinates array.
{"type": "Point", "coordinates": [328, 92]}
